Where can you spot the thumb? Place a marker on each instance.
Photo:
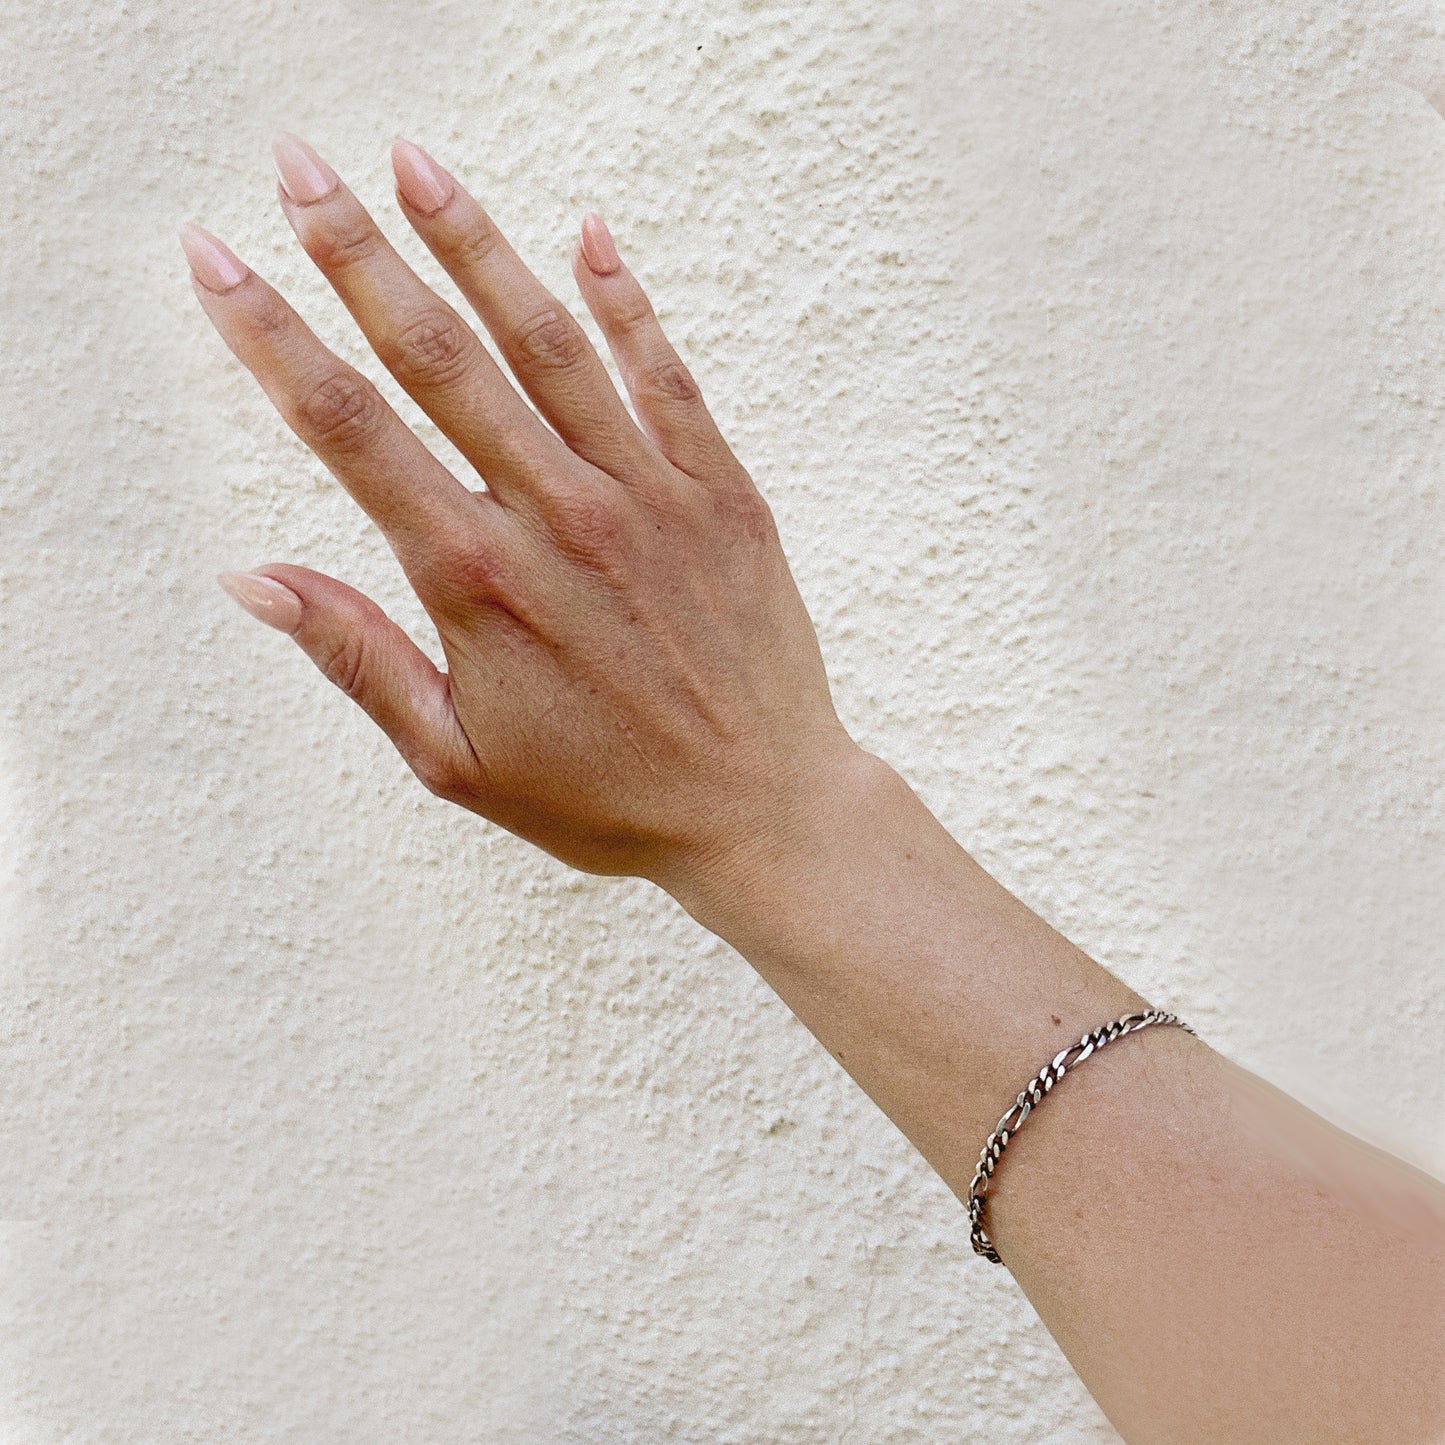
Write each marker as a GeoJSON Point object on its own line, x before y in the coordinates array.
{"type": "Point", "coordinates": [359, 648]}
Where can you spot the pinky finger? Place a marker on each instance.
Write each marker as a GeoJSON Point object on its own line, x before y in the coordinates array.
{"type": "Point", "coordinates": [664, 395]}
{"type": "Point", "coordinates": [372, 660]}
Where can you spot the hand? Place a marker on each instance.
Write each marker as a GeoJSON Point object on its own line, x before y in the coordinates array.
{"type": "Point", "coordinates": [633, 681]}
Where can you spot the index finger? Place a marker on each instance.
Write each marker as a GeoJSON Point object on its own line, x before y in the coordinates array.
{"type": "Point", "coordinates": [332, 407]}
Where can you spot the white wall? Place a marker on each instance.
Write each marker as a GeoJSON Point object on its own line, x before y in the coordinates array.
{"type": "Point", "coordinates": [1091, 356]}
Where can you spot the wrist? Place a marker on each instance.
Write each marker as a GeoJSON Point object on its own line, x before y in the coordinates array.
{"type": "Point", "coordinates": [833, 828]}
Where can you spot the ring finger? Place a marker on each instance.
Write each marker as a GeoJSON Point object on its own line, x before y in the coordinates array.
{"type": "Point", "coordinates": [547, 350]}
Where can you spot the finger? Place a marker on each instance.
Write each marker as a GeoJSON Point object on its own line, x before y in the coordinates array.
{"type": "Point", "coordinates": [421, 340]}
{"type": "Point", "coordinates": [543, 343]}
{"type": "Point", "coordinates": [667, 400]}
{"type": "Point", "coordinates": [335, 410]}
{"type": "Point", "coordinates": [359, 648]}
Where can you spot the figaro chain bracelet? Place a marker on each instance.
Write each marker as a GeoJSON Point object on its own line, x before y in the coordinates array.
{"type": "Point", "coordinates": [1033, 1091]}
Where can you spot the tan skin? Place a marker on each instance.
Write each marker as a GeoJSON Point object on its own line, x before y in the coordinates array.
{"type": "Point", "coordinates": [633, 684]}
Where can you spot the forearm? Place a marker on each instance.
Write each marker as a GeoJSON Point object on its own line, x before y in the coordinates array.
{"type": "Point", "coordinates": [1189, 1236]}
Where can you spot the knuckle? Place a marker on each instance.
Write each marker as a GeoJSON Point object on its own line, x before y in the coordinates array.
{"type": "Point", "coordinates": [268, 316]}
{"type": "Point", "coordinates": [462, 571]}
{"type": "Point", "coordinates": [432, 350]}
{"type": "Point", "coordinates": [670, 381]}
{"type": "Point", "coordinates": [343, 662]}
{"type": "Point", "coordinates": [342, 411]}
{"type": "Point", "coordinates": [588, 525]}
{"type": "Point", "coordinates": [633, 315]}
{"type": "Point", "coordinates": [439, 776]}
{"type": "Point", "coordinates": [343, 244]}
{"type": "Point", "coordinates": [552, 340]}
{"type": "Point", "coordinates": [743, 512]}
{"type": "Point", "coordinates": [474, 243]}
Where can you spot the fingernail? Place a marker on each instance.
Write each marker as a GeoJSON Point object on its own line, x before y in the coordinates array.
{"type": "Point", "coordinates": [423, 184]}
{"type": "Point", "coordinates": [264, 598]}
{"type": "Point", "coordinates": [598, 248]}
{"type": "Point", "coordinates": [305, 177]}
{"type": "Point", "coordinates": [212, 262]}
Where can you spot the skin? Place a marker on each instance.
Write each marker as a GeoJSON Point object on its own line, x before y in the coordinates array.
{"type": "Point", "coordinates": [633, 684]}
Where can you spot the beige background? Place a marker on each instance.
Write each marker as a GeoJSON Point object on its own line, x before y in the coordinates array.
{"type": "Point", "coordinates": [1091, 358]}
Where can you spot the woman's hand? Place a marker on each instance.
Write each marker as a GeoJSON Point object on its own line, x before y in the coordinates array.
{"type": "Point", "coordinates": [633, 682]}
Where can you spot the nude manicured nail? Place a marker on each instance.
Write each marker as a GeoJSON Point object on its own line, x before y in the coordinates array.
{"type": "Point", "coordinates": [212, 262]}
{"type": "Point", "coordinates": [264, 598]}
{"type": "Point", "coordinates": [598, 248]}
{"type": "Point", "coordinates": [423, 184]}
{"type": "Point", "coordinates": [305, 177]}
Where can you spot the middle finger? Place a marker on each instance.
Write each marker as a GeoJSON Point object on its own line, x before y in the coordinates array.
{"type": "Point", "coordinates": [420, 339]}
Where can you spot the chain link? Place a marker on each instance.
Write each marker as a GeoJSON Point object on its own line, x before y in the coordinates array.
{"type": "Point", "coordinates": [1033, 1091]}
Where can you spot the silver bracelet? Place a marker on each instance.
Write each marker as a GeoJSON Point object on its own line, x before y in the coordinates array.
{"type": "Point", "coordinates": [1035, 1090]}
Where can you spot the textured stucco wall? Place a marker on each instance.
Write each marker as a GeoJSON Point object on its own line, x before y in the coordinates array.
{"type": "Point", "coordinates": [1091, 356]}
